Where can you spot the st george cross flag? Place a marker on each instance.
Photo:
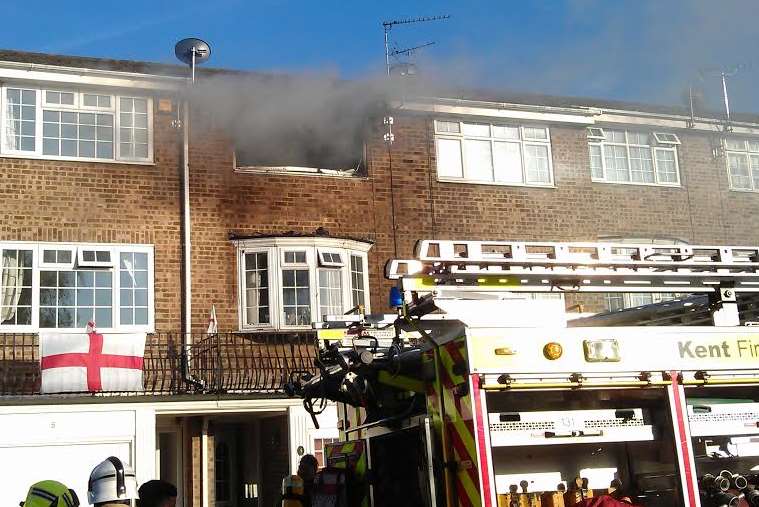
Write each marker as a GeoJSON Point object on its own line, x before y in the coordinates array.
{"type": "Point", "coordinates": [91, 362]}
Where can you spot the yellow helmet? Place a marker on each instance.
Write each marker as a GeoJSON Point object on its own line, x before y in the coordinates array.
{"type": "Point", "coordinates": [50, 494]}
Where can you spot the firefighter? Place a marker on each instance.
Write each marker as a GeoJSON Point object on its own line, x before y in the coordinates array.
{"type": "Point", "coordinates": [157, 493]}
{"type": "Point", "coordinates": [50, 494]}
{"type": "Point", "coordinates": [112, 484]}
{"type": "Point", "coordinates": [297, 490]}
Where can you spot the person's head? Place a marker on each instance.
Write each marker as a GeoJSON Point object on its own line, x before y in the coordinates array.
{"type": "Point", "coordinates": [157, 493]}
{"type": "Point", "coordinates": [112, 482]}
{"type": "Point", "coordinates": [308, 467]}
{"type": "Point", "coordinates": [50, 494]}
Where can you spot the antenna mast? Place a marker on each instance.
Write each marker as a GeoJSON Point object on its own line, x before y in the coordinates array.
{"type": "Point", "coordinates": [388, 25]}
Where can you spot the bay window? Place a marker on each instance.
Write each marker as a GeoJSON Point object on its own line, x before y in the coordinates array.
{"type": "Point", "coordinates": [47, 286]}
{"type": "Point", "coordinates": [622, 156]}
{"type": "Point", "coordinates": [293, 282]}
{"type": "Point", "coordinates": [493, 153]}
{"type": "Point", "coordinates": [75, 124]}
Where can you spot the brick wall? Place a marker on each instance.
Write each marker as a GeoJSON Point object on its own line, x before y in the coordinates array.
{"type": "Point", "coordinates": [75, 201]}
{"type": "Point", "coordinates": [404, 180]}
{"type": "Point", "coordinates": [42, 200]}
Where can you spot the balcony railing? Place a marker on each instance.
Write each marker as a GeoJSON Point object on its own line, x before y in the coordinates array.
{"type": "Point", "coordinates": [224, 363]}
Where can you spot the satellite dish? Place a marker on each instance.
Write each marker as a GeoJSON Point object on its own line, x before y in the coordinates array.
{"type": "Point", "coordinates": [186, 49]}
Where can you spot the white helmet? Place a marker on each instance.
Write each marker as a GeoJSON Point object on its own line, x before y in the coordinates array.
{"type": "Point", "coordinates": [111, 481]}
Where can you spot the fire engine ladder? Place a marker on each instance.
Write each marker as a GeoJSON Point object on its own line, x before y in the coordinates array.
{"type": "Point", "coordinates": [449, 268]}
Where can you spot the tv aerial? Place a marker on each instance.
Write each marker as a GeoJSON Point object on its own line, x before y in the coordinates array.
{"type": "Point", "coordinates": [406, 67]}
{"type": "Point", "coordinates": [724, 73]}
{"type": "Point", "coordinates": [192, 52]}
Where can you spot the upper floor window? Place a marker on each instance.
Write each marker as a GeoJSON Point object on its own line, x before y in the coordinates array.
{"type": "Point", "coordinates": [493, 153]}
{"type": "Point", "coordinates": [75, 125]}
{"type": "Point", "coordinates": [293, 282]}
{"type": "Point", "coordinates": [743, 163]}
{"type": "Point", "coordinates": [622, 156]}
{"type": "Point", "coordinates": [65, 286]}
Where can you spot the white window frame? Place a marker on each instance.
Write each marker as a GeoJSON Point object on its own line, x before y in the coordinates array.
{"type": "Point", "coordinates": [40, 105]}
{"type": "Point", "coordinates": [330, 263]}
{"type": "Point", "coordinates": [57, 265]}
{"type": "Point", "coordinates": [627, 145]}
{"type": "Point", "coordinates": [596, 133]}
{"type": "Point", "coordinates": [669, 138]}
{"type": "Point", "coordinates": [523, 141]}
{"type": "Point", "coordinates": [45, 103]}
{"type": "Point", "coordinates": [747, 154]}
{"type": "Point", "coordinates": [272, 287]}
{"type": "Point", "coordinates": [4, 149]}
{"type": "Point", "coordinates": [37, 267]}
{"type": "Point", "coordinates": [98, 108]}
{"type": "Point", "coordinates": [81, 262]}
{"type": "Point", "coordinates": [275, 249]}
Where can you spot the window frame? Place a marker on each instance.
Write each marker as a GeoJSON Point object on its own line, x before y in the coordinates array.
{"type": "Point", "coordinates": [661, 138]}
{"type": "Point", "coordinates": [747, 154]}
{"type": "Point", "coordinates": [37, 249]}
{"type": "Point", "coordinates": [599, 135]}
{"type": "Point", "coordinates": [243, 288]}
{"type": "Point", "coordinates": [96, 263]}
{"type": "Point", "coordinates": [40, 90]}
{"type": "Point", "coordinates": [523, 142]}
{"type": "Point", "coordinates": [653, 149]}
{"type": "Point", "coordinates": [275, 249]}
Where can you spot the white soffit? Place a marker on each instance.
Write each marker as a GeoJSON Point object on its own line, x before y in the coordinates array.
{"type": "Point", "coordinates": [18, 71]}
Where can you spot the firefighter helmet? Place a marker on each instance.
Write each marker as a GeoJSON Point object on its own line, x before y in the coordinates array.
{"type": "Point", "coordinates": [110, 481]}
{"type": "Point", "coordinates": [50, 494]}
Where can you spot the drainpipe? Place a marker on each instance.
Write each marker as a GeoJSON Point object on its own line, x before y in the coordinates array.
{"type": "Point", "coordinates": [186, 245]}
{"type": "Point", "coordinates": [204, 463]}
{"type": "Point", "coordinates": [186, 326]}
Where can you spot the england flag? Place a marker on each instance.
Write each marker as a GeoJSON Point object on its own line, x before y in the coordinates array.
{"type": "Point", "coordinates": [91, 362]}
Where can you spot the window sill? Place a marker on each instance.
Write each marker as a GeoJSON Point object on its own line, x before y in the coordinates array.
{"type": "Point", "coordinates": [299, 171]}
{"type": "Point", "coordinates": [744, 190]}
{"type": "Point", "coordinates": [108, 330]}
{"type": "Point", "coordinates": [638, 184]}
{"type": "Point", "coordinates": [33, 156]}
{"type": "Point", "coordinates": [261, 330]}
{"type": "Point", "coordinates": [494, 183]}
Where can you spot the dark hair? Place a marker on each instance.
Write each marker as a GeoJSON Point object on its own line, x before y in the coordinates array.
{"type": "Point", "coordinates": [154, 492]}
{"type": "Point", "coordinates": [309, 459]}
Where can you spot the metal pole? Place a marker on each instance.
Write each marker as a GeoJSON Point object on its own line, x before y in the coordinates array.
{"type": "Point", "coordinates": [193, 65]}
{"type": "Point", "coordinates": [387, 50]}
{"type": "Point", "coordinates": [692, 114]}
{"type": "Point", "coordinates": [727, 103]}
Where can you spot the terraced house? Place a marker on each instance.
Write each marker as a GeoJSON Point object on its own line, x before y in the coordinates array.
{"type": "Point", "coordinates": [120, 205]}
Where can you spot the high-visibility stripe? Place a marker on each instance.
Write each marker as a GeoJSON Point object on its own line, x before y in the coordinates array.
{"type": "Point", "coordinates": [401, 382]}
{"type": "Point", "coordinates": [683, 440]}
{"type": "Point", "coordinates": [483, 449]}
{"type": "Point", "coordinates": [459, 422]}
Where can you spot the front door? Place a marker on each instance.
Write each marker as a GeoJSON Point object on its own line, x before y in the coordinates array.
{"type": "Point", "coordinates": [225, 469]}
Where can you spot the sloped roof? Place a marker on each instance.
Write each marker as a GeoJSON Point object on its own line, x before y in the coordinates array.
{"type": "Point", "coordinates": [512, 97]}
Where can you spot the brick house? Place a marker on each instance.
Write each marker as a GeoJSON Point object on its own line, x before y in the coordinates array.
{"type": "Point", "coordinates": [92, 228]}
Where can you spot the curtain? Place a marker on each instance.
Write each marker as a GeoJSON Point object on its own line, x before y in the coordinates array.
{"type": "Point", "coordinates": [11, 286]}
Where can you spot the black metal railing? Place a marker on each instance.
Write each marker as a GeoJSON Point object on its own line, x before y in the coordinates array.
{"type": "Point", "coordinates": [213, 364]}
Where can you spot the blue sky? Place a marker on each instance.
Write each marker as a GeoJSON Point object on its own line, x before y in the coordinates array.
{"type": "Point", "coordinates": [640, 50]}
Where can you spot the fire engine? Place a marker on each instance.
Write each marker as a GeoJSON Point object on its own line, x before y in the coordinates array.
{"type": "Point", "coordinates": [480, 392]}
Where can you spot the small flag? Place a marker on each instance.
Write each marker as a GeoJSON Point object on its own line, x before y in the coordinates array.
{"type": "Point", "coordinates": [213, 324]}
